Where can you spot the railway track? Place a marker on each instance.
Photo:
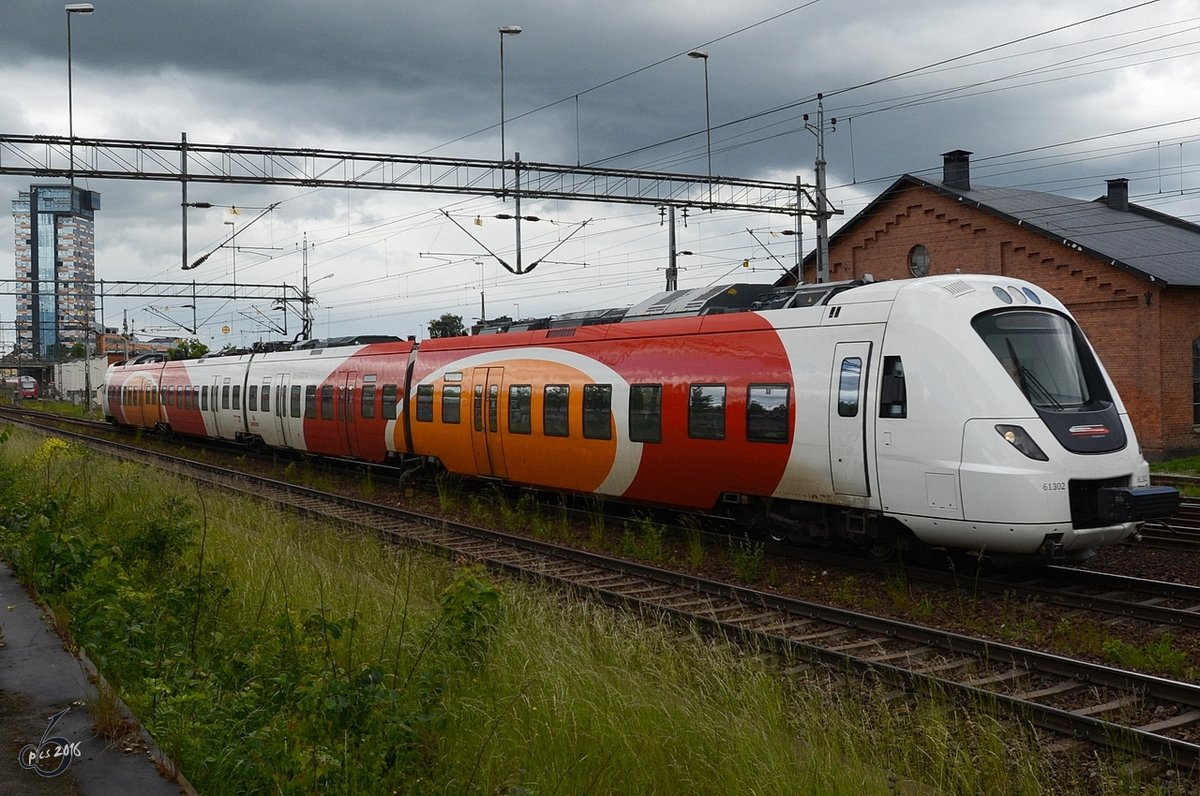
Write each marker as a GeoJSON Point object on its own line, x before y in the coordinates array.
{"type": "Point", "coordinates": [1150, 716]}
{"type": "Point", "coordinates": [1181, 531]}
{"type": "Point", "coordinates": [1159, 603]}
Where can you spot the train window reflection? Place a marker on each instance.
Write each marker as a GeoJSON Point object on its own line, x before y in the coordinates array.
{"type": "Point", "coordinates": [367, 409]}
{"type": "Point", "coordinates": [848, 384]}
{"type": "Point", "coordinates": [389, 402]}
{"type": "Point", "coordinates": [645, 413]}
{"type": "Point", "coordinates": [555, 400]}
{"type": "Point", "coordinates": [424, 403]}
{"type": "Point", "coordinates": [706, 411]}
{"type": "Point", "coordinates": [327, 402]}
{"type": "Point", "coordinates": [893, 395]}
{"type": "Point", "coordinates": [451, 400]}
{"type": "Point", "coordinates": [494, 408]}
{"type": "Point", "coordinates": [520, 401]}
{"type": "Point", "coordinates": [597, 411]}
{"type": "Point", "coordinates": [767, 413]}
{"type": "Point", "coordinates": [310, 401]}
{"type": "Point", "coordinates": [1043, 354]}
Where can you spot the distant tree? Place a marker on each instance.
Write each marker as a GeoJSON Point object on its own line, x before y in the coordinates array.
{"type": "Point", "coordinates": [447, 326]}
{"type": "Point", "coordinates": [77, 351]}
{"type": "Point", "coordinates": [189, 348]}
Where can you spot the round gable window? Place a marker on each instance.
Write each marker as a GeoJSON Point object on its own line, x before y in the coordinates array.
{"type": "Point", "coordinates": [918, 261]}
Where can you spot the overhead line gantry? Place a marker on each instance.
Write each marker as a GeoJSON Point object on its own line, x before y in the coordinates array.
{"type": "Point", "coordinates": [51, 156]}
{"type": "Point", "coordinates": [184, 161]}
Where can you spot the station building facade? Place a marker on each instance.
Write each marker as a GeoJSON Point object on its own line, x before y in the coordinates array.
{"type": "Point", "coordinates": [1130, 275]}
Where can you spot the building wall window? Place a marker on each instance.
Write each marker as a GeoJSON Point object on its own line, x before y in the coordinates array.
{"type": "Point", "coordinates": [1196, 382]}
{"type": "Point", "coordinates": [918, 260]}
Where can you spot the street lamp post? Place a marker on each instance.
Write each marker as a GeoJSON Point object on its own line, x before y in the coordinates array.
{"type": "Point", "coordinates": [72, 8]}
{"type": "Point", "coordinates": [703, 56]}
{"type": "Point", "coordinates": [78, 8]}
{"type": "Point", "coordinates": [505, 30]}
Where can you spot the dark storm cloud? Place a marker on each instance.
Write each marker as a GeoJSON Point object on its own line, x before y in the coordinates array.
{"type": "Point", "coordinates": [589, 82]}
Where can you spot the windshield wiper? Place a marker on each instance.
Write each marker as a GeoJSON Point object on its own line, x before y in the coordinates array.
{"type": "Point", "coordinates": [1030, 384]}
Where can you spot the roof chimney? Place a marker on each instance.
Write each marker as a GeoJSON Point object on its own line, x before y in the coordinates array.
{"type": "Point", "coordinates": [1118, 193]}
{"type": "Point", "coordinates": [956, 169]}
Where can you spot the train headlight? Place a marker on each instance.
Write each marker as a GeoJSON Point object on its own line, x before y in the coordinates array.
{"type": "Point", "coordinates": [1020, 439]}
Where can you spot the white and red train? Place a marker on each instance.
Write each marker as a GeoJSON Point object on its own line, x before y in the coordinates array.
{"type": "Point", "coordinates": [967, 412]}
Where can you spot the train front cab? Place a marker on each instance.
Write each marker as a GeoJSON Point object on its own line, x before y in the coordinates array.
{"type": "Point", "coordinates": [1015, 437]}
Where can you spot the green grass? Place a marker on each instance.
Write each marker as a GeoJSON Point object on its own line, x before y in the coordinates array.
{"type": "Point", "coordinates": [270, 654]}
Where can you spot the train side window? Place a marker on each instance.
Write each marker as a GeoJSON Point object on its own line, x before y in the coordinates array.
{"type": "Point", "coordinates": [237, 397]}
{"type": "Point", "coordinates": [368, 401]}
{"type": "Point", "coordinates": [195, 397]}
{"type": "Point", "coordinates": [266, 398]}
{"type": "Point", "coordinates": [555, 403]}
{"type": "Point", "coordinates": [225, 396]}
{"type": "Point", "coordinates": [645, 413]}
{"type": "Point", "coordinates": [520, 408]}
{"type": "Point", "coordinates": [848, 384]}
{"type": "Point", "coordinates": [893, 396]}
{"type": "Point", "coordinates": [294, 400]}
{"type": "Point", "coordinates": [310, 401]}
{"type": "Point", "coordinates": [477, 409]}
{"type": "Point", "coordinates": [494, 408]}
{"type": "Point", "coordinates": [252, 398]}
{"type": "Point", "coordinates": [597, 411]}
{"type": "Point", "coordinates": [451, 403]}
{"type": "Point", "coordinates": [767, 413]}
{"type": "Point", "coordinates": [706, 411]}
{"type": "Point", "coordinates": [327, 402]}
{"type": "Point", "coordinates": [204, 398]}
{"type": "Point", "coordinates": [389, 401]}
{"type": "Point", "coordinates": [424, 403]}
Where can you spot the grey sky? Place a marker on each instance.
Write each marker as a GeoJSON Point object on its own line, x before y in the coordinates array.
{"type": "Point", "coordinates": [409, 78]}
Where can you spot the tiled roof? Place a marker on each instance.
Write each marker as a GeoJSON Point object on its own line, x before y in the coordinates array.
{"type": "Point", "coordinates": [1158, 247]}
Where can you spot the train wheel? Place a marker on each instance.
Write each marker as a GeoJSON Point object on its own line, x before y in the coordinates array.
{"type": "Point", "coordinates": [882, 551]}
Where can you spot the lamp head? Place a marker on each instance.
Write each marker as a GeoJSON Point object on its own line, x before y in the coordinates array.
{"type": "Point", "coordinates": [510, 30]}
{"type": "Point", "coordinates": [80, 8]}
{"type": "Point", "coordinates": [698, 54]}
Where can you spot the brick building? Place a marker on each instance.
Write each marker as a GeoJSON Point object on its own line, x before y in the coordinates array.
{"type": "Point", "coordinates": [1128, 274]}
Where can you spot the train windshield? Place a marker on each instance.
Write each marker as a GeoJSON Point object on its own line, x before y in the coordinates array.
{"type": "Point", "coordinates": [1046, 356]}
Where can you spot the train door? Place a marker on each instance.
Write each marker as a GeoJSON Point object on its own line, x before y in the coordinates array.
{"type": "Point", "coordinates": [214, 406]}
{"type": "Point", "coordinates": [485, 421]}
{"type": "Point", "coordinates": [281, 411]}
{"type": "Point", "coordinates": [848, 419]}
{"type": "Point", "coordinates": [344, 409]}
